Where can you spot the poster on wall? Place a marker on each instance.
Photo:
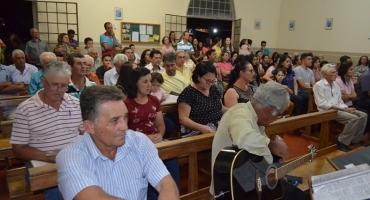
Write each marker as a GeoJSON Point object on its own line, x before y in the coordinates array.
{"type": "Point", "coordinates": [257, 24]}
{"type": "Point", "coordinates": [118, 13]}
{"type": "Point", "coordinates": [291, 25]}
{"type": "Point", "coordinates": [329, 23]}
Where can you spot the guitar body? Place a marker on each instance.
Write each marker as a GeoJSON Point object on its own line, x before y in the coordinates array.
{"type": "Point", "coordinates": [224, 179]}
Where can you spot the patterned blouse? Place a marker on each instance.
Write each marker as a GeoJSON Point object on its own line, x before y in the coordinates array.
{"type": "Point", "coordinates": [359, 71]}
{"type": "Point", "coordinates": [244, 95]}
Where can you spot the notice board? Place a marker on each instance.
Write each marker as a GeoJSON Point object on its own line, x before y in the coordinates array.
{"type": "Point", "coordinates": [140, 32]}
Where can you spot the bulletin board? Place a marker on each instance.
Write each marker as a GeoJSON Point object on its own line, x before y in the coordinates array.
{"type": "Point", "coordinates": [140, 32]}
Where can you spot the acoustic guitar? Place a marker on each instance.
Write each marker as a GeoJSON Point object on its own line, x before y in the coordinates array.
{"type": "Point", "coordinates": [239, 175]}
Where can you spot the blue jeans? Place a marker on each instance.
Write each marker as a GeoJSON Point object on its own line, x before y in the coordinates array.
{"type": "Point", "coordinates": [170, 126]}
{"type": "Point", "coordinates": [52, 193]}
{"type": "Point", "coordinates": [298, 103]}
{"type": "Point", "coordinates": [304, 94]}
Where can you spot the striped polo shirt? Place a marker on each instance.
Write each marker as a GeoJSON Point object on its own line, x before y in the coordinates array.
{"type": "Point", "coordinates": [185, 47]}
{"type": "Point", "coordinates": [81, 164]}
{"type": "Point", "coordinates": [73, 90]}
{"type": "Point", "coordinates": [44, 128]}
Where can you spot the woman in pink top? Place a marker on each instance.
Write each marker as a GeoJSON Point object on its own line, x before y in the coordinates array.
{"type": "Point", "coordinates": [345, 73]}
{"type": "Point", "coordinates": [166, 48]}
{"type": "Point", "coordinates": [244, 48]}
{"type": "Point", "coordinates": [316, 68]}
{"type": "Point", "coordinates": [225, 66]}
{"type": "Point", "coordinates": [206, 46]}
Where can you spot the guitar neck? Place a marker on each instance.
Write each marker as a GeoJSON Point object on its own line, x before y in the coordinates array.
{"type": "Point", "coordinates": [282, 171]}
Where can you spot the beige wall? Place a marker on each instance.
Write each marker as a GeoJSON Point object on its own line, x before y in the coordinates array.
{"type": "Point", "coordinates": [349, 34]}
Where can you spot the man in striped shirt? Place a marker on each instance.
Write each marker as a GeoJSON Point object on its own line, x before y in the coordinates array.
{"type": "Point", "coordinates": [48, 121]}
{"type": "Point", "coordinates": [109, 161]}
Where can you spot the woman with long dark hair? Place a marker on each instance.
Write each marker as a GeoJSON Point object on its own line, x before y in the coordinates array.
{"type": "Point", "coordinates": [145, 58]}
{"type": "Point", "coordinates": [124, 75]}
{"type": "Point", "coordinates": [227, 46]}
{"type": "Point", "coordinates": [172, 39]}
{"type": "Point", "coordinates": [362, 67]}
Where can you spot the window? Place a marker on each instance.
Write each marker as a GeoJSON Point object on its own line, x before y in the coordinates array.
{"type": "Point", "coordinates": [175, 23]}
{"type": "Point", "coordinates": [218, 9]}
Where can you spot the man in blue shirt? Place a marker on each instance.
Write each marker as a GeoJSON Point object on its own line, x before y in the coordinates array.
{"type": "Point", "coordinates": [263, 49]}
{"type": "Point", "coordinates": [109, 161]}
{"type": "Point", "coordinates": [108, 39]}
{"type": "Point", "coordinates": [35, 82]}
{"type": "Point", "coordinates": [72, 42]}
{"type": "Point", "coordinates": [10, 85]}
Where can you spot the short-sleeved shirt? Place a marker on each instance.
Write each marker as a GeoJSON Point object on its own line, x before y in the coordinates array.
{"type": "Point", "coordinates": [73, 90]}
{"type": "Point", "coordinates": [109, 40]}
{"type": "Point", "coordinates": [35, 82]}
{"type": "Point", "coordinates": [226, 67]}
{"type": "Point", "coordinates": [9, 74]}
{"type": "Point", "coordinates": [111, 77]}
{"type": "Point", "coordinates": [345, 86]}
{"type": "Point", "coordinates": [288, 80]}
{"type": "Point", "coordinates": [205, 110]}
{"type": "Point", "coordinates": [35, 49]}
{"type": "Point", "coordinates": [363, 86]}
{"type": "Point", "coordinates": [159, 94]}
{"type": "Point", "coordinates": [175, 83]}
{"type": "Point", "coordinates": [141, 117]}
{"type": "Point", "coordinates": [81, 164]}
{"type": "Point", "coordinates": [100, 72]}
{"type": "Point", "coordinates": [266, 52]}
{"type": "Point", "coordinates": [359, 71]}
{"type": "Point", "coordinates": [185, 47]}
{"type": "Point", "coordinates": [150, 67]}
{"type": "Point", "coordinates": [44, 128]}
{"type": "Point", "coordinates": [186, 73]}
{"type": "Point", "coordinates": [304, 74]}
{"type": "Point", "coordinates": [218, 51]}
{"type": "Point", "coordinates": [74, 43]}
{"type": "Point", "coordinates": [28, 71]}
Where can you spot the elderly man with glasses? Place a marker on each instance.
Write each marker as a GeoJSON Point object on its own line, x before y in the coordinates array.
{"type": "Point", "coordinates": [47, 121]}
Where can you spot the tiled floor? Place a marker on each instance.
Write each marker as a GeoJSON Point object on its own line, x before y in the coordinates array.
{"type": "Point", "coordinates": [296, 144]}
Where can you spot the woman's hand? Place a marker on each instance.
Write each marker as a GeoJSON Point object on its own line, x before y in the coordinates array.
{"type": "Point", "coordinates": [155, 138]}
{"type": "Point", "coordinates": [206, 129]}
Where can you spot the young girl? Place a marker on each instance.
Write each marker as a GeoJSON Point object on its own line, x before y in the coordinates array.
{"type": "Point", "coordinates": [279, 77]}
{"type": "Point", "coordinates": [157, 81]}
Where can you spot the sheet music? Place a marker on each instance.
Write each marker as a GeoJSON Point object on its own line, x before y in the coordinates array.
{"type": "Point", "coordinates": [351, 183]}
{"type": "Point", "coordinates": [170, 99]}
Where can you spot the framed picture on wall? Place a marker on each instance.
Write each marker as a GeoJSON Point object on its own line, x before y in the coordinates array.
{"type": "Point", "coordinates": [257, 24]}
{"type": "Point", "coordinates": [118, 13]}
{"type": "Point", "coordinates": [291, 25]}
{"type": "Point", "coordinates": [329, 23]}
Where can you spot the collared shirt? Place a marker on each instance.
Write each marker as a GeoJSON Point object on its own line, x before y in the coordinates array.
{"type": "Point", "coordinates": [185, 47]}
{"type": "Point", "coordinates": [28, 71]}
{"type": "Point", "coordinates": [73, 90]}
{"type": "Point", "coordinates": [137, 58]}
{"type": "Point", "coordinates": [111, 77]}
{"type": "Point", "coordinates": [150, 67]}
{"type": "Point", "coordinates": [185, 72]}
{"type": "Point", "coordinates": [94, 78]}
{"type": "Point", "coordinates": [327, 96]}
{"type": "Point", "coordinates": [175, 83]}
{"type": "Point", "coordinates": [74, 43]}
{"type": "Point", "coordinates": [35, 49]}
{"type": "Point", "coordinates": [105, 38]}
{"type": "Point", "coordinates": [9, 74]}
{"type": "Point", "coordinates": [44, 128]}
{"type": "Point", "coordinates": [35, 82]}
{"type": "Point", "coordinates": [136, 163]}
{"type": "Point", "coordinates": [239, 127]}
{"type": "Point", "coordinates": [363, 86]}
{"type": "Point", "coordinates": [97, 64]}
{"type": "Point", "coordinates": [346, 87]}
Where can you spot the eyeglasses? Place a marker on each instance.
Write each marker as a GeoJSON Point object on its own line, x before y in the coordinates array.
{"type": "Point", "coordinates": [211, 82]}
{"type": "Point", "coordinates": [251, 71]}
{"type": "Point", "coordinates": [55, 86]}
{"type": "Point", "coordinates": [278, 111]}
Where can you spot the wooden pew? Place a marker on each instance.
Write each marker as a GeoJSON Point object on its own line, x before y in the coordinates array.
{"type": "Point", "coordinates": [6, 151]}
{"type": "Point", "coordinates": [310, 109]}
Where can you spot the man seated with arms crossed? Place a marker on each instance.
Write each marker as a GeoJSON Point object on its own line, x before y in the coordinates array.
{"type": "Point", "coordinates": [109, 161]}
{"type": "Point", "coordinates": [172, 82]}
{"type": "Point", "coordinates": [35, 82]}
{"type": "Point", "coordinates": [328, 96]}
{"type": "Point", "coordinates": [244, 124]}
{"type": "Point", "coordinates": [26, 70]}
{"type": "Point", "coordinates": [47, 121]}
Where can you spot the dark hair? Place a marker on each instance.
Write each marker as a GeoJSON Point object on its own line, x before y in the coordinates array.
{"type": "Point", "coordinates": [242, 42]}
{"type": "Point", "coordinates": [125, 49]}
{"type": "Point", "coordinates": [239, 59]}
{"type": "Point", "coordinates": [305, 55]}
{"type": "Point", "coordinates": [88, 39]}
{"type": "Point", "coordinates": [258, 52]}
{"type": "Point", "coordinates": [142, 58]}
{"type": "Point", "coordinates": [155, 52]}
{"type": "Point", "coordinates": [131, 45]}
{"type": "Point", "coordinates": [314, 59]}
{"type": "Point", "coordinates": [169, 57]}
{"type": "Point", "coordinates": [280, 69]}
{"type": "Point", "coordinates": [263, 56]}
{"type": "Point", "coordinates": [71, 58]}
{"type": "Point", "coordinates": [235, 73]}
{"type": "Point", "coordinates": [342, 70]}
{"type": "Point", "coordinates": [367, 62]}
{"type": "Point", "coordinates": [105, 55]}
{"type": "Point", "coordinates": [58, 54]}
{"type": "Point", "coordinates": [281, 61]}
{"type": "Point", "coordinates": [263, 42]}
{"type": "Point", "coordinates": [255, 67]}
{"type": "Point", "coordinates": [202, 69]}
{"type": "Point", "coordinates": [197, 46]}
{"type": "Point", "coordinates": [217, 39]}
{"type": "Point", "coordinates": [224, 46]}
{"type": "Point", "coordinates": [207, 43]}
{"type": "Point", "coordinates": [105, 24]}
{"type": "Point", "coordinates": [295, 60]}
{"type": "Point", "coordinates": [157, 77]}
{"type": "Point", "coordinates": [209, 52]}
{"type": "Point", "coordinates": [169, 37]}
{"type": "Point", "coordinates": [183, 33]}
{"type": "Point", "coordinates": [274, 55]}
{"type": "Point", "coordinates": [343, 58]}
{"type": "Point", "coordinates": [233, 53]}
{"type": "Point", "coordinates": [250, 41]}
{"type": "Point", "coordinates": [324, 62]}
{"type": "Point", "coordinates": [124, 75]}
{"type": "Point", "coordinates": [93, 97]}
{"type": "Point", "coordinates": [135, 75]}
{"type": "Point", "coordinates": [71, 31]}
{"type": "Point", "coordinates": [60, 38]}
{"type": "Point", "coordinates": [165, 38]}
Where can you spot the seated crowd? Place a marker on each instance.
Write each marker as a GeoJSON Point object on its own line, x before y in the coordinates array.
{"type": "Point", "coordinates": [105, 112]}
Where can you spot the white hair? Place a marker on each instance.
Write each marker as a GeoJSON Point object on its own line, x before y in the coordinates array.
{"type": "Point", "coordinates": [120, 58]}
{"type": "Point", "coordinates": [271, 94]}
{"type": "Point", "coordinates": [326, 69]}
{"type": "Point", "coordinates": [17, 51]}
{"type": "Point", "coordinates": [57, 68]}
{"type": "Point", "coordinates": [87, 57]}
{"type": "Point", "coordinates": [47, 54]}
{"type": "Point", "coordinates": [90, 49]}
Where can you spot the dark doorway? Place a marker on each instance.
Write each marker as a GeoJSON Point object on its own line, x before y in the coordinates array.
{"type": "Point", "coordinates": [205, 28]}
{"type": "Point", "coordinates": [15, 18]}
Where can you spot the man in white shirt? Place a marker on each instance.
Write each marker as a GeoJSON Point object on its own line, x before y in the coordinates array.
{"type": "Point", "coordinates": [111, 76]}
{"type": "Point", "coordinates": [154, 66]}
{"type": "Point", "coordinates": [26, 70]}
{"type": "Point", "coordinates": [328, 96]}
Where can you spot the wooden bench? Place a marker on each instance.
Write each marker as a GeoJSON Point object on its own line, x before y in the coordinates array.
{"type": "Point", "coordinates": [310, 109]}
{"type": "Point", "coordinates": [18, 188]}
{"type": "Point", "coordinates": [6, 151]}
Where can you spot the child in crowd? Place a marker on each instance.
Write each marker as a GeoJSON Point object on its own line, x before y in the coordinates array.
{"type": "Point", "coordinates": [157, 81]}
{"type": "Point", "coordinates": [279, 77]}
